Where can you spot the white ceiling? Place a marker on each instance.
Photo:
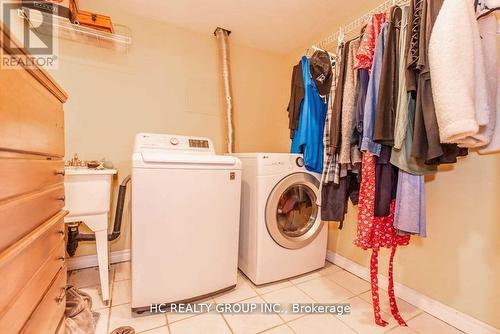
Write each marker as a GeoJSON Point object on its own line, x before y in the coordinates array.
{"type": "Point", "coordinates": [275, 25]}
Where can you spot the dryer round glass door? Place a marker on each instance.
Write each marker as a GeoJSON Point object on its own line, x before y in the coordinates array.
{"type": "Point", "coordinates": [292, 212]}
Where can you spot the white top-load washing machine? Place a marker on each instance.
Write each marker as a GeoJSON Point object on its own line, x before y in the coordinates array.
{"type": "Point", "coordinates": [281, 233]}
{"type": "Point", "coordinates": [185, 219]}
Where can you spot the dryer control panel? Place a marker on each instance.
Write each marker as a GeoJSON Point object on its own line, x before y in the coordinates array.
{"type": "Point", "coordinates": [147, 142]}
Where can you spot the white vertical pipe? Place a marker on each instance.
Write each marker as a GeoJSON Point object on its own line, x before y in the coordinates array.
{"type": "Point", "coordinates": [222, 38]}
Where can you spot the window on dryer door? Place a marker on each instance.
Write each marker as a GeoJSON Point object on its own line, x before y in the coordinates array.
{"type": "Point", "coordinates": [297, 211]}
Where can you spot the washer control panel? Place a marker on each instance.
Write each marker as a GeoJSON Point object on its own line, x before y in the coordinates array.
{"type": "Point", "coordinates": [175, 143]}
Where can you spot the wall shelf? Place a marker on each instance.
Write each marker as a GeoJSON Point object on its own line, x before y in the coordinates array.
{"type": "Point", "coordinates": [63, 28]}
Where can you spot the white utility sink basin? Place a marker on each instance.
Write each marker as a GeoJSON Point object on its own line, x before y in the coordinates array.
{"type": "Point", "coordinates": [88, 200]}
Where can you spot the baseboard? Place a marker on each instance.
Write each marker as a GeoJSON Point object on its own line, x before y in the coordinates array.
{"type": "Point", "coordinates": [87, 261]}
{"type": "Point", "coordinates": [443, 312]}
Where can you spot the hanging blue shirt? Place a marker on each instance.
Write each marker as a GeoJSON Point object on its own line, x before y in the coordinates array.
{"type": "Point", "coordinates": [308, 138]}
{"type": "Point", "coordinates": [372, 95]}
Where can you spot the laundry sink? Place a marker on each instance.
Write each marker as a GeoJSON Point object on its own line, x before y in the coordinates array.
{"type": "Point", "coordinates": [88, 199]}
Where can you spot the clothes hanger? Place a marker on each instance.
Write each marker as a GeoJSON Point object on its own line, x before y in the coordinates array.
{"type": "Point", "coordinates": [340, 37]}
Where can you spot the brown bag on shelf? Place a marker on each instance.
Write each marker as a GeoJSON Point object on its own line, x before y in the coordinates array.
{"type": "Point", "coordinates": [90, 20]}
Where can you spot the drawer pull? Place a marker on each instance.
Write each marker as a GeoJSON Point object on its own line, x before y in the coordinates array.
{"type": "Point", "coordinates": [60, 299]}
{"type": "Point", "coordinates": [61, 258]}
{"type": "Point", "coordinates": [61, 232]}
{"type": "Point", "coordinates": [62, 198]}
{"type": "Point", "coordinates": [61, 172]}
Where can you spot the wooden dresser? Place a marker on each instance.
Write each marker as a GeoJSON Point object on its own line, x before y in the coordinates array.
{"type": "Point", "coordinates": [32, 247]}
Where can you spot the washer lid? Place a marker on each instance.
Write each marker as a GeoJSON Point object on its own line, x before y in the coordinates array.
{"type": "Point", "coordinates": [160, 157]}
{"type": "Point", "coordinates": [168, 160]}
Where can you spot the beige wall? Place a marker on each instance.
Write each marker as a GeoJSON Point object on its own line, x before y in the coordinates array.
{"type": "Point", "coordinates": [169, 82]}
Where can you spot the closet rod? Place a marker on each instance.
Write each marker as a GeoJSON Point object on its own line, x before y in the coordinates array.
{"type": "Point", "coordinates": [356, 25]}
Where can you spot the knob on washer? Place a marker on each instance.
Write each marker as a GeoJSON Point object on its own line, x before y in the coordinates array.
{"type": "Point", "coordinates": [300, 162]}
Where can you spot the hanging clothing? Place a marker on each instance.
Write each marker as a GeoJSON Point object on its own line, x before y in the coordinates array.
{"type": "Point", "coordinates": [401, 118]}
{"type": "Point", "coordinates": [336, 123]}
{"type": "Point", "coordinates": [335, 197]}
{"type": "Point", "coordinates": [409, 214]}
{"type": "Point", "coordinates": [459, 96]}
{"type": "Point", "coordinates": [374, 233]}
{"type": "Point", "coordinates": [327, 151]}
{"type": "Point", "coordinates": [345, 182]}
{"type": "Point", "coordinates": [426, 141]}
{"type": "Point", "coordinates": [385, 116]}
{"type": "Point", "coordinates": [366, 48]}
{"type": "Point", "coordinates": [296, 97]}
{"type": "Point", "coordinates": [348, 104]}
{"type": "Point", "coordinates": [401, 157]}
{"type": "Point", "coordinates": [308, 138]}
{"type": "Point", "coordinates": [372, 94]}
{"type": "Point", "coordinates": [386, 179]}
{"type": "Point", "coordinates": [488, 27]}
{"type": "Point", "coordinates": [330, 165]}
{"type": "Point", "coordinates": [363, 80]}
{"type": "Point", "coordinates": [413, 43]}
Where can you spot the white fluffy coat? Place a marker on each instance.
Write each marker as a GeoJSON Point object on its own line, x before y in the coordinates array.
{"type": "Point", "coordinates": [458, 75]}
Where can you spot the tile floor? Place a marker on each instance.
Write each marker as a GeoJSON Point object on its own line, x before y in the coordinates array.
{"type": "Point", "coordinates": [328, 285]}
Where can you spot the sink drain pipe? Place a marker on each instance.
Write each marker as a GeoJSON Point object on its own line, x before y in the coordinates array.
{"type": "Point", "coordinates": [74, 236]}
{"type": "Point", "coordinates": [222, 42]}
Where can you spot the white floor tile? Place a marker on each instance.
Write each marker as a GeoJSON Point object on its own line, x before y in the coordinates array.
{"type": "Point", "coordinates": [283, 329]}
{"type": "Point", "coordinates": [265, 288]}
{"type": "Point", "coordinates": [319, 324]}
{"type": "Point", "coordinates": [203, 323]}
{"type": "Point", "coordinates": [361, 318]}
{"type": "Point", "coordinates": [159, 330]}
{"type": "Point", "coordinates": [286, 297]}
{"type": "Point", "coordinates": [122, 271]}
{"type": "Point", "coordinates": [401, 330]}
{"type": "Point", "coordinates": [324, 290]}
{"type": "Point", "coordinates": [243, 290]}
{"type": "Point", "coordinates": [102, 323]}
{"type": "Point", "coordinates": [122, 316]}
{"type": "Point", "coordinates": [427, 324]}
{"type": "Point", "coordinates": [252, 323]}
{"type": "Point", "coordinates": [95, 294]}
{"type": "Point", "coordinates": [84, 277]}
{"type": "Point", "coordinates": [121, 292]}
{"type": "Point", "coordinates": [350, 282]}
{"type": "Point", "coordinates": [305, 277]}
{"type": "Point", "coordinates": [406, 310]}
{"type": "Point", "coordinates": [173, 317]}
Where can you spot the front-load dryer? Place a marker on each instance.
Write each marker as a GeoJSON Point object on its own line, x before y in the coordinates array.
{"type": "Point", "coordinates": [185, 219]}
{"type": "Point", "coordinates": [281, 233]}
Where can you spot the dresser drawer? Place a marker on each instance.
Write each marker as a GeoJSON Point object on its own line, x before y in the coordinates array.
{"type": "Point", "coordinates": [20, 215]}
{"type": "Point", "coordinates": [15, 315]}
{"type": "Point", "coordinates": [22, 262]}
{"type": "Point", "coordinates": [21, 176]}
{"type": "Point", "coordinates": [48, 313]}
{"type": "Point", "coordinates": [31, 116]}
